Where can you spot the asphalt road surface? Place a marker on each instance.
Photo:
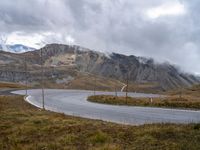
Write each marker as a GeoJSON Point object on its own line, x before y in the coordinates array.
{"type": "Point", "coordinates": [74, 102]}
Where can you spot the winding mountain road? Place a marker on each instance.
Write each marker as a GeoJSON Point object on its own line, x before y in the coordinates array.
{"type": "Point", "coordinates": [74, 102]}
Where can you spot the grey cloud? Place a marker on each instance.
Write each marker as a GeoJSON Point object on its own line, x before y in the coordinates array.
{"type": "Point", "coordinates": [111, 25]}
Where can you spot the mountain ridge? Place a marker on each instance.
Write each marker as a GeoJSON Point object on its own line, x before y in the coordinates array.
{"type": "Point", "coordinates": [115, 66]}
{"type": "Point", "coordinates": [94, 62]}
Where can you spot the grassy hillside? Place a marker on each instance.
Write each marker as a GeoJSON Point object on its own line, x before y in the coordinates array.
{"type": "Point", "coordinates": [88, 81]}
{"type": "Point", "coordinates": [193, 91]}
{"type": "Point", "coordinates": [91, 82]}
{"type": "Point", "coordinates": [169, 102]}
{"type": "Point", "coordinates": [147, 87]}
{"type": "Point", "coordinates": [25, 127]}
{"type": "Point", "coordinates": [7, 85]}
{"type": "Point", "coordinates": [180, 98]}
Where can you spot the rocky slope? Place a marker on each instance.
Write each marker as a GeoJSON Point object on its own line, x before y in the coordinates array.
{"type": "Point", "coordinates": [63, 62]}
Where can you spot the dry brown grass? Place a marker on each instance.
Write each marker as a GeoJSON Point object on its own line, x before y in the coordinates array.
{"type": "Point", "coordinates": [87, 82]}
{"type": "Point", "coordinates": [184, 98]}
{"type": "Point", "coordinates": [6, 85]}
{"type": "Point", "coordinates": [25, 127]}
{"type": "Point", "coordinates": [144, 87]}
{"type": "Point", "coordinates": [170, 102]}
{"type": "Point", "coordinates": [193, 91]}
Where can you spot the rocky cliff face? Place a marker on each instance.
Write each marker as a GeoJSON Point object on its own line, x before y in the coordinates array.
{"type": "Point", "coordinates": [121, 66]}
{"type": "Point", "coordinates": [59, 59]}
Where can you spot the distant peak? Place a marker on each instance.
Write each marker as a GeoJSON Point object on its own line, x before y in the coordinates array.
{"type": "Point", "coordinates": [16, 48]}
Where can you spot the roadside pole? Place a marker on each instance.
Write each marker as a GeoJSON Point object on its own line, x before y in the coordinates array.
{"type": "Point", "coordinates": [115, 90]}
{"type": "Point", "coordinates": [127, 87]}
{"type": "Point", "coordinates": [42, 78]}
{"type": "Point", "coordinates": [180, 93]}
{"type": "Point", "coordinates": [95, 80]}
{"type": "Point", "coordinates": [26, 73]}
{"type": "Point", "coordinates": [115, 83]}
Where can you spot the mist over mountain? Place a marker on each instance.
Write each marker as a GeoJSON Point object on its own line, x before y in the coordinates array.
{"type": "Point", "coordinates": [75, 59]}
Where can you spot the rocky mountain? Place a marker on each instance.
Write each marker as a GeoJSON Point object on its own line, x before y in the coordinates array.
{"type": "Point", "coordinates": [63, 63]}
{"type": "Point", "coordinates": [16, 48]}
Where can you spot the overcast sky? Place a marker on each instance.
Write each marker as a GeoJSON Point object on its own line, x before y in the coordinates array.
{"type": "Point", "coordinates": [165, 30]}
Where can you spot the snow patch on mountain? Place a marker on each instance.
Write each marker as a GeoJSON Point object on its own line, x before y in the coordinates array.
{"type": "Point", "coordinates": [16, 48]}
